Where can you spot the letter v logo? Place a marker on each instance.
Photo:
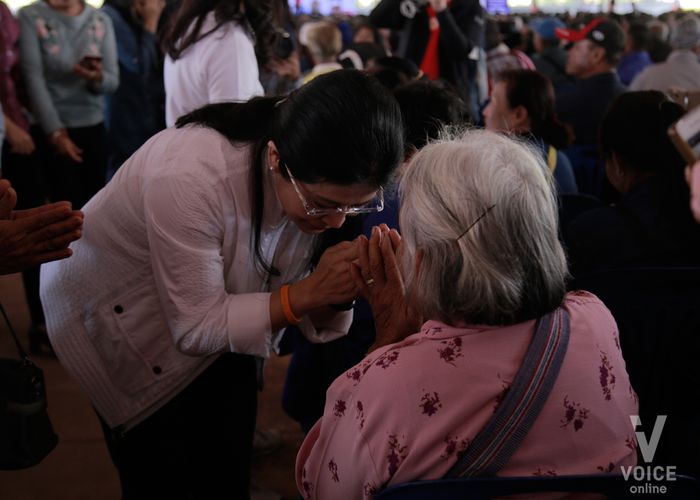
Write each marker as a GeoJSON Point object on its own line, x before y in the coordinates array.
{"type": "Point", "coordinates": [648, 448]}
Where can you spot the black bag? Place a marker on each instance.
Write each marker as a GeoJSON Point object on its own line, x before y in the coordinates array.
{"type": "Point", "coordinates": [26, 434]}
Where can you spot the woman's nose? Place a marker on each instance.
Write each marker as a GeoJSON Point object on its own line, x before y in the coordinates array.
{"type": "Point", "coordinates": [335, 220]}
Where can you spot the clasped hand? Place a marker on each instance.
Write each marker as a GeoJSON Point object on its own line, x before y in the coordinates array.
{"type": "Point", "coordinates": [37, 235]}
{"type": "Point", "coordinates": [331, 281]}
{"type": "Point", "coordinates": [379, 279]}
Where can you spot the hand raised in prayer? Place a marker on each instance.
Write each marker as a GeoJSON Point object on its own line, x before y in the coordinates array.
{"type": "Point", "coordinates": [31, 237]}
{"type": "Point", "coordinates": [380, 281]}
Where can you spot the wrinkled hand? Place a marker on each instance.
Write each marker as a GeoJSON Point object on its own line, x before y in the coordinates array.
{"type": "Point", "coordinates": [692, 175]}
{"type": "Point", "coordinates": [63, 145]}
{"type": "Point", "coordinates": [394, 318]}
{"type": "Point", "coordinates": [31, 237]}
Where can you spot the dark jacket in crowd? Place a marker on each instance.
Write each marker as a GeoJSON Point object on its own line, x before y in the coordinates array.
{"type": "Point", "coordinates": [645, 228]}
{"type": "Point", "coordinates": [584, 105]}
{"type": "Point", "coordinates": [461, 30]}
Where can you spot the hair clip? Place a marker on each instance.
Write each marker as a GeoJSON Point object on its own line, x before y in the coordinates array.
{"type": "Point", "coordinates": [474, 223]}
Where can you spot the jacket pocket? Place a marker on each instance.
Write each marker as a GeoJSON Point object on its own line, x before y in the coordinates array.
{"type": "Point", "coordinates": [133, 339]}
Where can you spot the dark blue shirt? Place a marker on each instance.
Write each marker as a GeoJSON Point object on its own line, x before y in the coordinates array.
{"type": "Point", "coordinates": [136, 111]}
{"type": "Point", "coordinates": [631, 64]}
{"type": "Point", "coordinates": [584, 105]}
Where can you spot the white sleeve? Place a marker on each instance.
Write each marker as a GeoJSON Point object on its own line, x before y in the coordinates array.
{"type": "Point", "coordinates": [230, 66]}
{"type": "Point", "coordinates": [184, 223]}
{"type": "Point", "coordinates": [321, 330]}
{"type": "Point", "coordinates": [639, 82]}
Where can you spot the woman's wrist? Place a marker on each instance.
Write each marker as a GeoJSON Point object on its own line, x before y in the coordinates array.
{"type": "Point", "coordinates": [301, 297]}
{"type": "Point", "coordinates": [55, 136]}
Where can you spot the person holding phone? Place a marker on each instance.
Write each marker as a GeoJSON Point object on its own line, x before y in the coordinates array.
{"type": "Point", "coordinates": [69, 61]}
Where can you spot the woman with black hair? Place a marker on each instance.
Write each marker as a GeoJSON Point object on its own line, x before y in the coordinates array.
{"type": "Point", "coordinates": [197, 255]}
{"type": "Point", "coordinates": [652, 224]}
{"type": "Point", "coordinates": [213, 49]}
{"type": "Point", "coordinates": [522, 103]}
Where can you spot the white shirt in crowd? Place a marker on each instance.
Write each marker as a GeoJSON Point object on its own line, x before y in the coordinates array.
{"type": "Point", "coordinates": [219, 67]}
{"type": "Point", "coordinates": [680, 71]}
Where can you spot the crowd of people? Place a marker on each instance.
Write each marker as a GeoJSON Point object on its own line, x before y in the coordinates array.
{"type": "Point", "coordinates": [403, 202]}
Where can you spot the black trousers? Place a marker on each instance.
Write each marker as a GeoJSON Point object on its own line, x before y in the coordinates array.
{"type": "Point", "coordinates": [77, 182]}
{"type": "Point", "coordinates": [28, 176]}
{"type": "Point", "coordinates": [198, 446]}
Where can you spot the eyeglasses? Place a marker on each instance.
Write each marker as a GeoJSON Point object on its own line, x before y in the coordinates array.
{"type": "Point", "coordinates": [376, 205]}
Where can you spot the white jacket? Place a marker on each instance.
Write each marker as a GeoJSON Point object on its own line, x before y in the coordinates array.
{"type": "Point", "coordinates": [164, 277]}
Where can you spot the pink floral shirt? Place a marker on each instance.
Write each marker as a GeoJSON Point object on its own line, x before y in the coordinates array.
{"type": "Point", "coordinates": [407, 410]}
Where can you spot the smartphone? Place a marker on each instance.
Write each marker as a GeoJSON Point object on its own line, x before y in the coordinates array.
{"type": "Point", "coordinates": [685, 134]}
{"type": "Point", "coordinates": [90, 62]}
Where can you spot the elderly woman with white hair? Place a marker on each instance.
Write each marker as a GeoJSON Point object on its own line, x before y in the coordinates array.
{"type": "Point", "coordinates": [479, 347]}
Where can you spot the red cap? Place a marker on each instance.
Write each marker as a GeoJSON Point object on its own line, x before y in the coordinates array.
{"type": "Point", "coordinates": [603, 32]}
{"type": "Point", "coordinates": [575, 36]}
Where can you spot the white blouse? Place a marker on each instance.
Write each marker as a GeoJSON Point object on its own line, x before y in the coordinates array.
{"type": "Point", "coordinates": [220, 67]}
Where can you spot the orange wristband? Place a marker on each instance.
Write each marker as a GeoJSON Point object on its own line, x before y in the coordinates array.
{"type": "Point", "coordinates": [287, 307]}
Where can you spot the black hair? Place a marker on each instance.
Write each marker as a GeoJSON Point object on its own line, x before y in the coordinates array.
{"type": "Point", "coordinates": [342, 128]}
{"type": "Point", "coordinates": [359, 22]}
{"type": "Point", "coordinates": [640, 36]}
{"type": "Point", "coordinates": [392, 71]}
{"type": "Point", "coordinates": [550, 42]}
{"type": "Point", "coordinates": [426, 107]}
{"type": "Point", "coordinates": [253, 15]}
{"type": "Point", "coordinates": [635, 130]}
{"type": "Point", "coordinates": [533, 91]}
{"type": "Point", "coordinates": [659, 50]}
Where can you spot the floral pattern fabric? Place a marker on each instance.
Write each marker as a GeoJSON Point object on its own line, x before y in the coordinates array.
{"type": "Point", "coordinates": [408, 410]}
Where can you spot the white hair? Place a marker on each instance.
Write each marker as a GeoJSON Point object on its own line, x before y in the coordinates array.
{"type": "Point", "coordinates": [686, 33]}
{"type": "Point", "coordinates": [510, 266]}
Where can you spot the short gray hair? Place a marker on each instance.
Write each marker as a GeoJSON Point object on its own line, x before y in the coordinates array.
{"type": "Point", "coordinates": [510, 266]}
{"type": "Point", "coordinates": [686, 33]}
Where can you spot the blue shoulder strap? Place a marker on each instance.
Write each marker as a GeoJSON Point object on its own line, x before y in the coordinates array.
{"type": "Point", "coordinates": [497, 441]}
